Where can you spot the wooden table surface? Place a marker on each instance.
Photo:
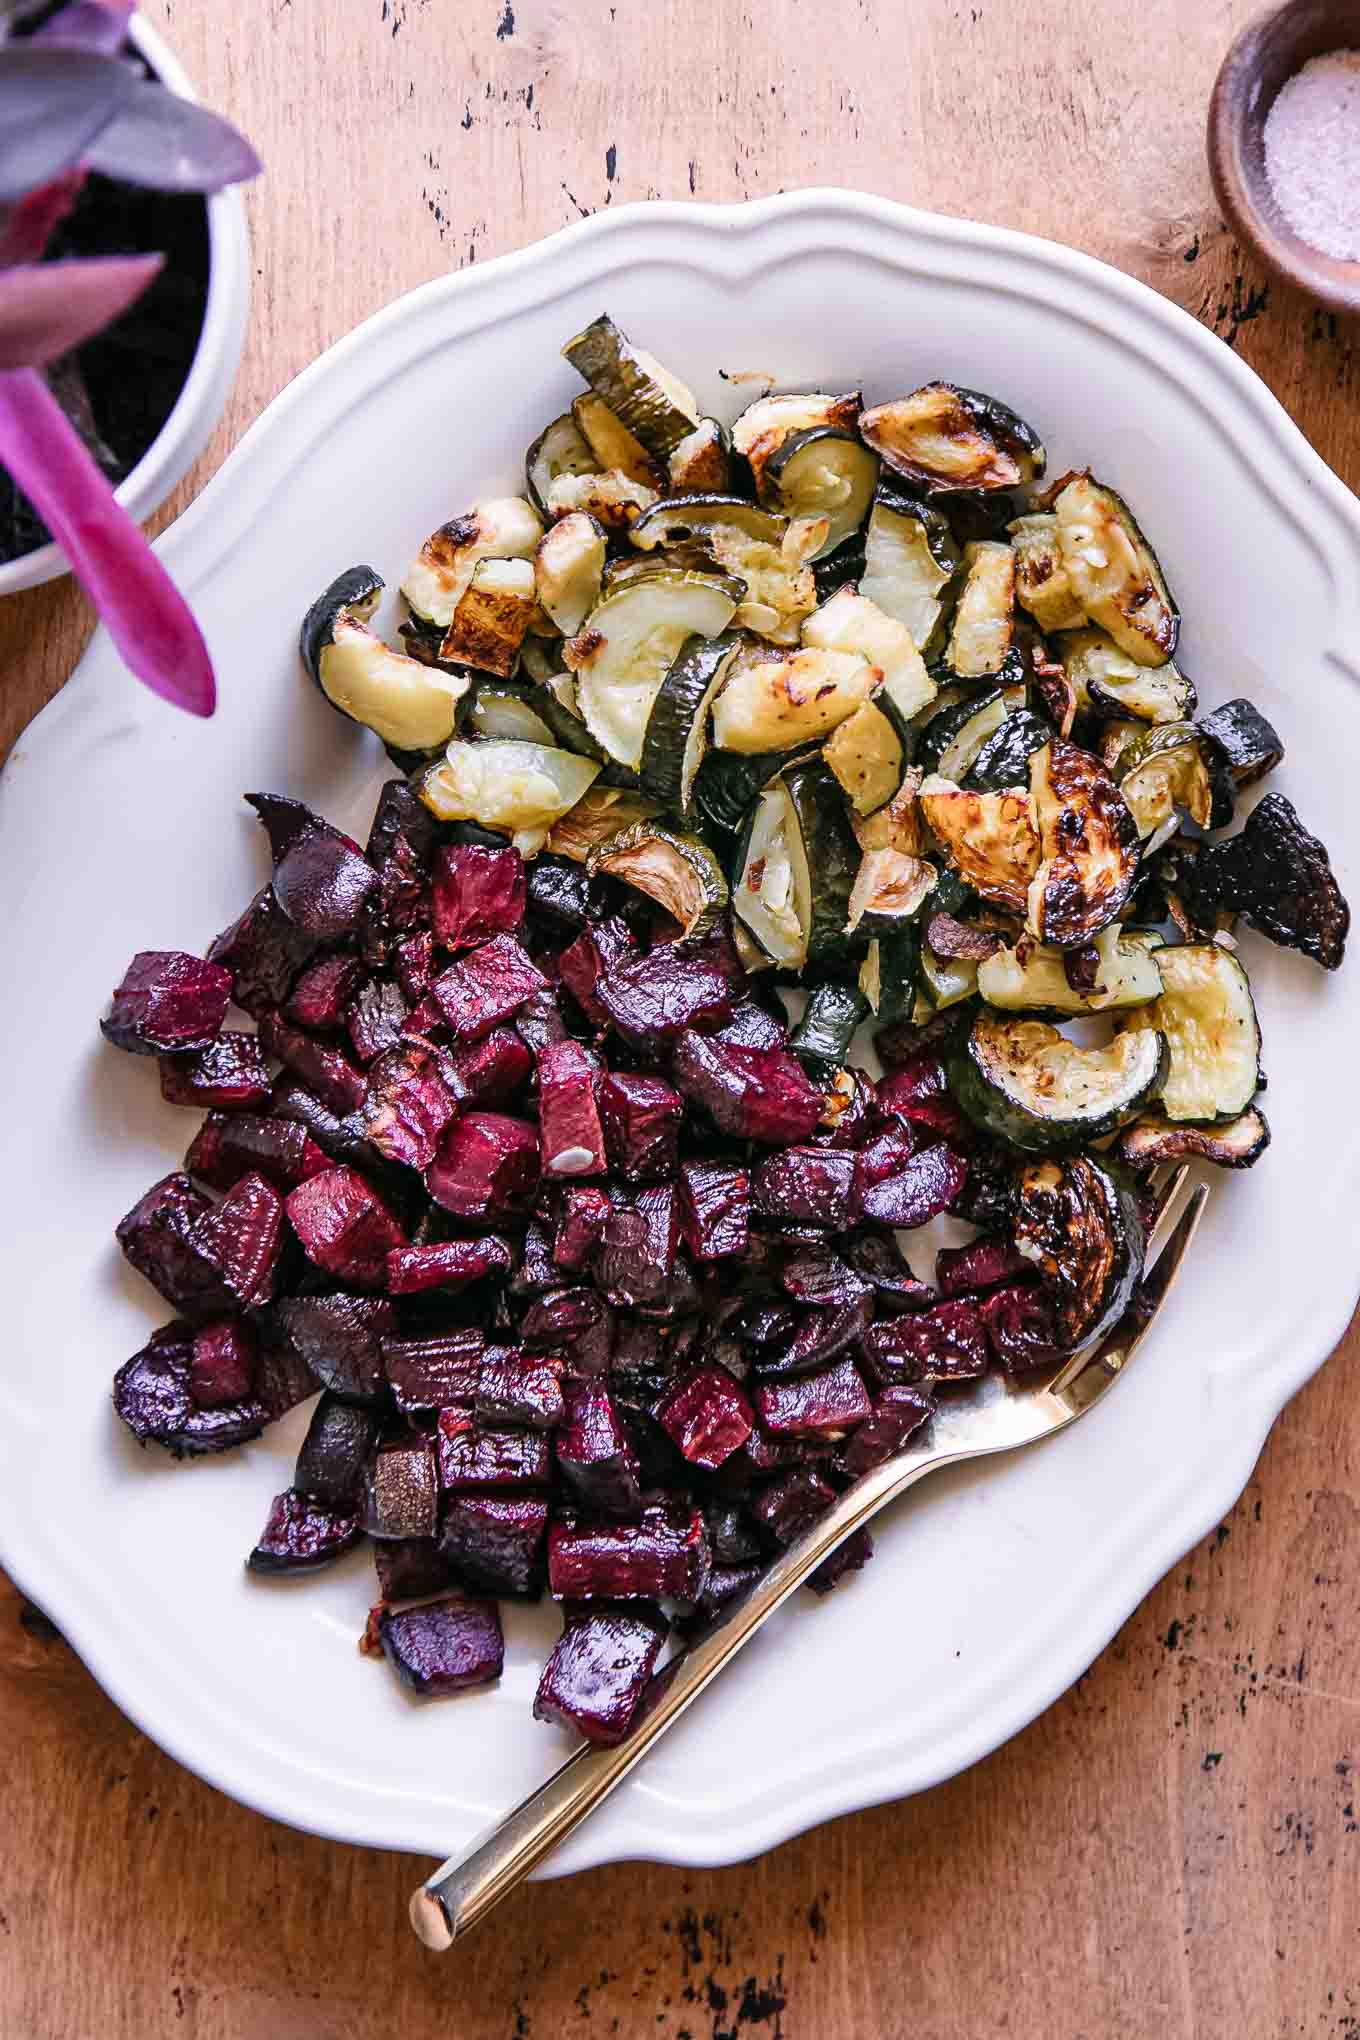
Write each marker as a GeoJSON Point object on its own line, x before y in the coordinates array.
{"type": "Point", "coordinates": [1173, 1847]}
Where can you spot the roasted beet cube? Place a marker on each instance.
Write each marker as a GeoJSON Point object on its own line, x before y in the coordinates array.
{"type": "Point", "coordinates": [229, 1075]}
{"type": "Point", "coordinates": [332, 1461]}
{"type": "Point", "coordinates": [168, 1002]}
{"type": "Point", "coordinates": [809, 1185]}
{"type": "Point", "coordinates": [403, 1498]}
{"type": "Point", "coordinates": [485, 987]}
{"type": "Point", "coordinates": [157, 1236]}
{"type": "Point", "coordinates": [345, 1227]}
{"type": "Point", "coordinates": [593, 1452]}
{"type": "Point", "coordinates": [754, 1093]}
{"type": "Point", "coordinates": [764, 1324]}
{"type": "Point", "coordinates": [821, 1336]}
{"type": "Point", "coordinates": [444, 1646]}
{"type": "Point", "coordinates": [325, 1070]}
{"type": "Point", "coordinates": [878, 1258]}
{"type": "Point", "coordinates": [425, 1021]}
{"type": "Point", "coordinates": [581, 1220]}
{"type": "Point", "coordinates": [229, 1146]}
{"type": "Point", "coordinates": [731, 1531]}
{"type": "Point", "coordinates": [652, 998]}
{"type": "Point", "coordinates": [410, 1567]}
{"type": "Point", "coordinates": [715, 1209]}
{"type": "Point", "coordinates": [415, 965]}
{"type": "Point", "coordinates": [432, 1373]}
{"type": "Point", "coordinates": [376, 1019]}
{"type": "Point", "coordinates": [885, 1154]}
{"type": "Point", "coordinates": [400, 846]}
{"type": "Point", "coordinates": [517, 1388]}
{"type": "Point", "coordinates": [990, 1196]}
{"type": "Point", "coordinates": [340, 1338]}
{"type": "Point", "coordinates": [584, 962]}
{"type": "Point", "coordinates": [598, 1670]}
{"type": "Point", "coordinates": [851, 1556]}
{"type": "Point", "coordinates": [451, 1264]}
{"type": "Point", "coordinates": [283, 1378]}
{"type": "Point", "coordinates": [487, 1164]}
{"type": "Point", "coordinates": [663, 1556]}
{"type": "Point", "coordinates": [301, 1535]}
{"type": "Point", "coordinates": [1020, 1327]}
{"type": "Point", "coordinates": [264, 953]}
{"type": "Point", "coordinates": [494, 1543]}
{"type": "Point", "coordinates": [569, 1133]}
{"type": "Point", "coordinates": [811, 1404]}
{"type": "Point", "coordinates": [322, 882]}
{"type": "Point", "coordinates": [537, 1271]}
{"type": "Point", "coordinates": [641, 1118]}
{"type": "Point", "coordinates": [750, 1025]}
{"type": "Point", "coordinates": [540, 1022]}
{"type": "Point", "coordinates": [918, 1092]}
{"type": "Point", "coordinates": [791, 1504]}
{"type": "Point", "coordinates": [706, 1415]}
{"type": "Point", "coordinates": [490, 1071]}
{"type": "Point", "coordinates": [947, 1342]}
{"type": "Point", "coordinates": [576, 1321]}
{"type": "Point", "coordinates": [818, 1276]}
{"type": "Point", "coordinates": [407, 1105]}
{"type": "Point", "coordinates": [222, 1369]}
{"type": "Point", "coordinates": [476, 894]}
{"type": "Point", "coordinates": [982, 1264]}
{"type": "Point", "coordinates": [771, 1452]}
{"type": "Point", "coordinates": [928, 1185]}
{"type": "Point", "coordinates": [636, 1257]}
{"type": "Point", "coordinates": [473, 1454]}
{"type": "Point", "coordinates": [897, 1413]}
{"type": "Point", "coordinates": [725, 1584]}
{"type": "Point", "coordinates": [242, 1238]}
{"type": "Point", "coordinates": [288, 822]}
{"type": "Point", "coordinates": [151, 1393]}
{"type": "Point", "coordinates": [321, 995]}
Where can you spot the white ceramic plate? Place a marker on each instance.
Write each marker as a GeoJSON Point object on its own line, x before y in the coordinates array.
{"type": "Point", "coordinates": [121, 827]}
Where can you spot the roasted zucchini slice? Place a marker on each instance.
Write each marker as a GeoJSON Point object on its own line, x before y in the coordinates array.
{"type": "Point", "coordinates": [911, 560]}
{"type": "Point", "coordinates": [1003, 758]}
{"type": "Point", "coordinates": [1242, 738]}
{"type": "Point", "coordinates": [767, 425]}
{"type": "Point", "coordinates": [755, 546]}
{"type": "Point", "coordinates": [1208, 1017]}
{"type": "Point", "coordinates": [821, 1040]}
{"type": "Point", "coordinates": [601, 814]}
{"type": "Point", "coordinates": [1162, 770]}
{"type": "Point", "coordinates": [852, 622]}
{"type": "Point", "coordinates": [890, 889]}
{"type": "Point", "coordinates": [727, 783]}
{"type": "Point", "coordinates": [944, 438]}
{"type": "Point", "coordinates": [1027, 1083]}
{"type": "Point", "coordinates": [990, 839]}
{"type": "Point", "coordinates": [823, 471]}
{"type": "Point", "coordinates": [795, 866]}
{"type": "Point", "coordinates": [946, 980]}
{"type": "Point", "coordinates": [1114, 572]}
{"type": "Point", "coordinates": [561, 449]}
{"type": "Point", "coordinates": [679, 872]}
{"type": "Point", "coordinates": [953, 739]}
{"type": "Point", "coordinates": [699, 465]}
{"type": "Point", "coordinates": [1089, 846]}
{"type": "Point", "coordinates": [984, 619]}
{"type": "Point", "coordinates": [1153, 1141]}
{"type": "Point", "coordinates": [868, 757]}
{"type": "Point", "coordinates": [615, 449]}
{"type": "Point", "coordinates": [775, 701]}
{"type": "Point", "coordinates": [519, 788]}
{"type": "Point", "coordinates": [655, 407]}
{"type": "Point", "coordinates": [677, 735]}
{"type": "Point", "coordinates": [509, 709]}
{"type": "Point", "coordinates": [627, 646]}
{"type": "Point", "coordinates": [504, 528]}
{"type": "Point", "coordinates": [1042, 583]}
{"type": "Point", "coordinates": [611, 499]}
{"type": "Point", "coordinates": [568, 567]}
{"type": "Point", "coordinates": [492, 617]}
{"type": "Point", "coordinates": [898, 826]}
{"type": "Point", "coordinates": [840, 569]}
{"type": "Point", "coordinates": [410, 705]}
{"type": "Point", "coordinates": [1079, 1221]}
{"type": "Point", "coordinates": [1032, 979]}
{"type": "Point", "coordinates": [1111, 683]}
{"type": "Point", "coordinates": [890, 974]}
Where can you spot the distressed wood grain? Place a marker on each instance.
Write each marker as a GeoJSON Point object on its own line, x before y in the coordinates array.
{"type": "Point", "coordinates": [1173, 1847]}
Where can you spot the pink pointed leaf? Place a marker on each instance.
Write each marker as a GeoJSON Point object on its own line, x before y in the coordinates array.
{"type": "Point", "coordinates": [97, 25]}
{"type": "Point", "coordinates": [47, 308]}
{"type": "Point", "coordinates": [53, 104]}
{"type": "Point", "coordinates": [165, 143]}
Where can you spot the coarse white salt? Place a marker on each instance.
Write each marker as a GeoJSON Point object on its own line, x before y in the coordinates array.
{"type": "Point", "coordinates": [1312, 139]}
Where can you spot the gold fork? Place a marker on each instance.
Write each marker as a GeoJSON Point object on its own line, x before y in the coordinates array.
{"type": "Point", "coordinates": [989, 1415]}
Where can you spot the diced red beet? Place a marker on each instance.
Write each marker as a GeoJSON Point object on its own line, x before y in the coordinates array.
{"type": "Point", "coordinates": [410, 1567]}
{"type": "Point", "coordinates": [851, 1102]}
{"type": "Point", "coordinates": [765, 1324]}
{"type": "Point", "coordinates": [731, 1531]}
{"type": "Point", "coordinates": [755, 1093]}
{"type": "Point", "coordinates": [818, 1276]}
{"type": "Point", "coordinates": [706, 1415]}
{"type": "Point", "coordinates": [636, 1257]}
{"type": "Point", "coordinates": [928, 1185]}
{"type": "Point", "coordinates": [597, 949]}
{"type": "Point", "coordinates": [982, 1264]}
{"type": "Point", "coordinates": [597, 1673]}
{"type": "Point", "coordinates": [947, 1342]}
{"type": "Point", "coordinates": [229, 1075]}
{"type": "Point", "coordinates": [321, 995]}
{"type": "Point", "coordinates": [540, 1022]}
{"type": "Point", "coordinates": [641, 1118]}
{"type": "Point", "coordinates": [400, 846]}
{"type": "Point", "coordinates": [918, 1091]}
{"type": "Point", "coordinates": [222, 1369]}
{"type": "Point", "coordinates": [725, 1583]}
{"type": "Point", "coordinates": [415, 965]}
{"type": "Point", "coordinates": [820, 1337]}
{"type": "Point", "coordinates": [168, 1002]}
{"type": "Point", "coordinates": [810, 1185]}
{"type": "Point", "coordinates": [485, 987]}
{"type": "Point", "coordinates": [340, 1338]}
{"type": "Point", "coordinates": [886, 1154]}
{"type": "Point", "coordinates": [407, 1105]}
{"type": "Point", "coordinates": [577, 1321]}
{"type": "Point", "coordinates": [375, 1021]}
{"type": "Point", "coordinates": [442, 1647]}
{"type": "Point", "coordinates": [851, 1556]}
{"type": "Point", "coordinates": [750, 1025]}
{"type": "Point", "coordinates": [1020, 1327]}
{"type": "Point", "coordinates": [487, 1164]}
{"type": "Point", "coordinates": [989, 1197]}
{"type": "Point", "coordinates": [332, 1461]}
{"type": "Point", "coordinates": [811, 1404]}
{"type": "Point", "coordinates": [283, 1377]}
{"type": "Point", "coordinates": [403, 1499]}
{"type": "Point", "coordinates": [516, 1388]}
{"type": "Point", "coordinates": [472, 1454]}
{"type": "Point", "coordinates": [654, 997]}
{"type": "Point", "coordinates": [494, 1543]}
{"type": "Point", "coordinates": [570, 1137]}
{"type": "Point", "coordinates": [791, 1504]}
{"type": "Point", "coordinates": [537, 1271]}
{"type": "Point", "coordinates": [152, 1396]}
{"type": "Point", "coordinates": [451, 1265]}
{"type": "Point", "coordinates": [157, 1236]}
{"type": "Point", "coordinates": [878, 1258]}
{"type": "Point", "coordinates": [432, 1373]}
{"type": "Point", "coordinates": [490, 1071]}
{"type": "Point", "coordinates": [264, 953]}
{"type": "Point", "coordinates": [476, 894]}
{"type": "Point", "coordinates": [425, 1021]}
{"type": "Point", "coordinates": [769, 1452]}
{"type": "Point", "coordinates": [344, 1226]}
{"type": "Point", "coordinates": [242, 1238]}
{"type": "Point", "coordinates": [301, 1535]}
{"type": "Point", "coordinates": [594, 1455]}
{"type": "Point", "coordinates": [288, 822]}
{"type": "Point", "coordinates": [320, 878]}
{"type": "Point", "coordinates": [581, 1220]}
{"type": "Point", "coordinates": [663, 1556]}
{"type": "Point", "coordinates": [325, 1070]}
{"type": "Point", "coordinates": [715, 1209]}
{"type": "Point", "coordinates": [229, 1146]}
{"type": "Point", "coordinates": [897, 1413]}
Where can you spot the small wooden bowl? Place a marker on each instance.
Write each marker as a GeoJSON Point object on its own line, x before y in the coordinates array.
{"type": "Point", "coordinates": [1264, 56]}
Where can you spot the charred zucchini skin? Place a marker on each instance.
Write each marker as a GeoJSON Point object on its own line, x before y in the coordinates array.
{"type": "Point", "coordinates": [727, 784]}
{"type": "Point", "coordinates": [679, 710]}
{"type": "Point", "coordinates": [1081, 1219]}
{"type": "Point", "coordinates": [357, 588]}
{"type": "Point", "coordinates": [839, 568]}
{"type": "Point", "coordinates": [949, 723]}
{"type": "Point", "coordinates": [832, 855]}
{"type": "Point", "coordinates": [1004, 757]}
{"type": "Point", "coordinates": [996, 1112]}
{"type": "Point", "coordinates": [1239, 735]}
{"type": "Point", "coordinates": [822, 1038]}
{"type": "Point", "coordinates": [899, 973]}
{"type": "Point", "coordinates": [1155, 1140]}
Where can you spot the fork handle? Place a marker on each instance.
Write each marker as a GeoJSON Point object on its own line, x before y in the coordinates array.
{"type": "Point", "coordinates": [465, 1888]}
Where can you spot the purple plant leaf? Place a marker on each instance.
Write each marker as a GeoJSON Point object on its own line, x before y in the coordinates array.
{"type": "Point", "coordinates": [165, 143]}
{"type": "Point", "coordinates": [53, 104]}
{"type": "Point", "coordinates": [97, 25]}
{"type": "Point", "coordinates": [146, 616]}
{"type": "Point", "coordinates": [26, 228]}
{"type": "Point", "coordinates": [47, 308]}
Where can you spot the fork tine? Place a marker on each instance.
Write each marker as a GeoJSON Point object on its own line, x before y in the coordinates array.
{"type": "Point", "coordinates": [1165, 1194]}
{"type": "Point", "coordinates": [1085, 1376]}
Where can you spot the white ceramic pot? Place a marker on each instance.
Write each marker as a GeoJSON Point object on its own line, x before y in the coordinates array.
{"type": "Point", "coordinates": [201, 401]}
